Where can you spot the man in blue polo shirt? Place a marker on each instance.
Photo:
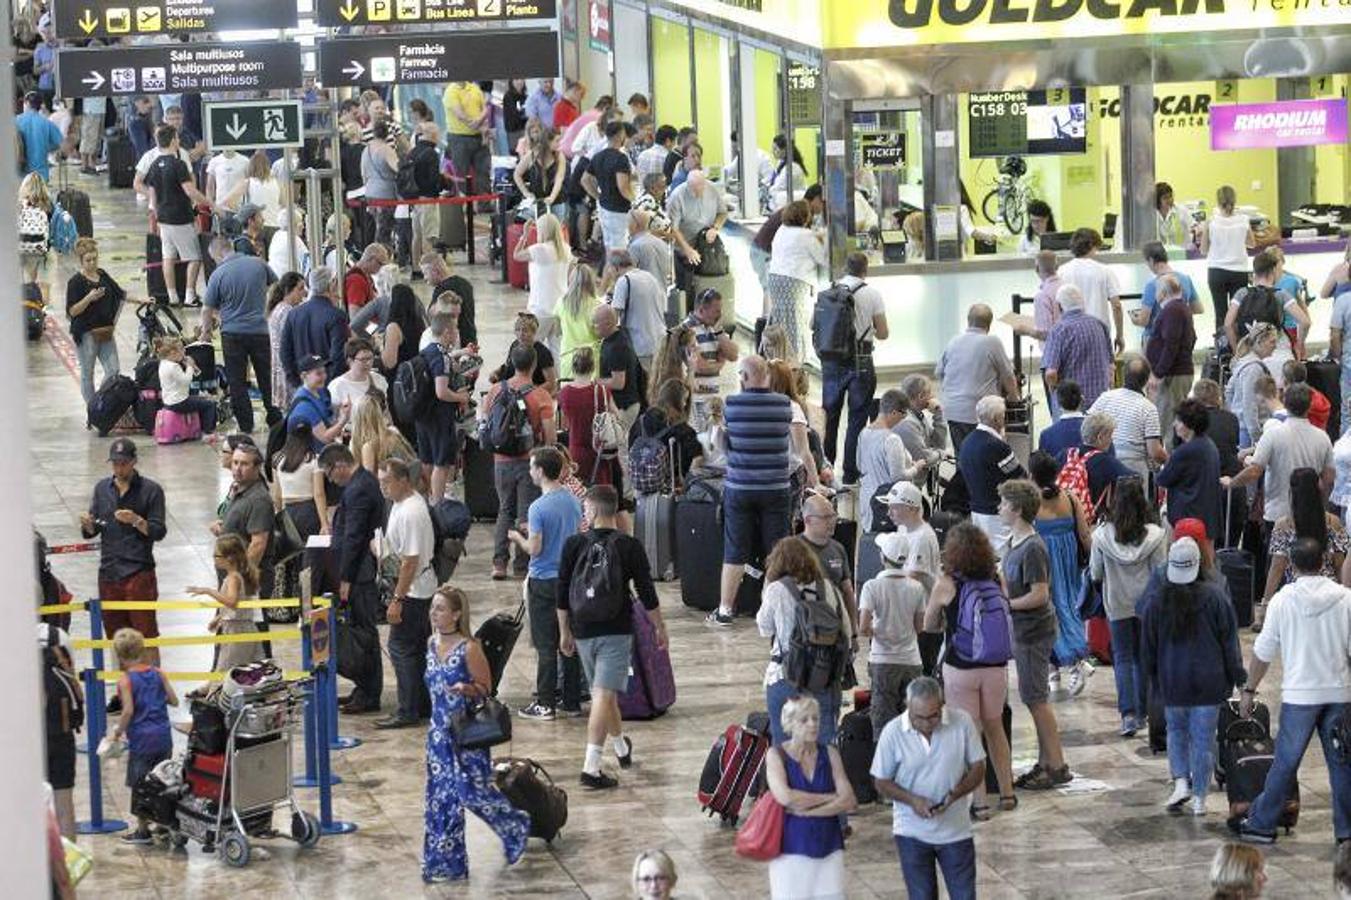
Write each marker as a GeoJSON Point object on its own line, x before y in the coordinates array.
{"type": "Point", "coordinates": [312, 405]}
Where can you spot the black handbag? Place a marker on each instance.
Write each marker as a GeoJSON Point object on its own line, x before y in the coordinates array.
{"type": "Point", "coordinates": [286, 540]}
{"type": "Point", "coordinates": [713, 262]}
{"type": "Point", "coordinates": [481, 724]}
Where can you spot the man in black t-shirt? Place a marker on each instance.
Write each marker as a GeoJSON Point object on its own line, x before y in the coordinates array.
{"type": "Point", "coordinates": [621, 372]}
{"type": "Point", "coordinates": [437, 270]}
{"type": "Point", "coordinates": [610, 181]}
{"type": "Point", "coordinates": [174, 194]}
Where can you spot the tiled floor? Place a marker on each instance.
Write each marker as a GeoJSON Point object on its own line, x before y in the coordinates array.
{"type": "Point", "coordinates": [1116, 843]}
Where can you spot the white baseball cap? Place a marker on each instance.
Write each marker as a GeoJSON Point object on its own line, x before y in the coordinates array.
{"type": "Point", "coordinates": [1184, 561]}
{"type": "Point", "coordinates": [895, 545]}
{"type": "Point", "coordinates": [904, 493]}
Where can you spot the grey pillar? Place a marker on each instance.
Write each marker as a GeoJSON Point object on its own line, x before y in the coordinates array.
{"type": "Point", "coordinates": [941, 166]}
{"type": "Point", "coordinates": [1294, 165]}
{"type": "Point", "coordinates": [1138, 225]}
{"type": "Point", "coordinates": [839, 177]}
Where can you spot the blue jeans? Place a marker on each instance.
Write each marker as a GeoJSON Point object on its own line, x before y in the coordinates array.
{"type": "Point", "coordinates": [1130, 682]}
{"type": "Point", "coordinates": [855, 385]}
{"type": "Point", "coordinates": [89, 350]}
{"type": "Point", "coordinates": [780, 692]}
{"type": "Point", "coordinates": [1346, 398]}
{"type": "Point", "coordinates": [1191, 744]}
{"type": "Point", "coordinates": [1297, 727]}
{"type": "Point", "coordinates": [957, 860]}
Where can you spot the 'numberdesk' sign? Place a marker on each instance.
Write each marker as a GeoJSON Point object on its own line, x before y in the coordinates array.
{"type": "Point", "coordinates": [880, 23]}
{"type": "Point", "coordinates": [1290, 123]}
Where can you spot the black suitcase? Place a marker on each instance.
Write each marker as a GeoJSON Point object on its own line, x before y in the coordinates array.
{"type": "Point", "coordinates": [34, 313]}
{"type": "Point", "coordinates": [77, 204]}
{"type": "Point", "coordinates": [111, 403]}
{"type": "Point", "coordinates": [147, 394]}
{"type": "Point", "coordinates": [154, 273]}
{"type": "Point", "coordinates": [1240, 572]}
{"type": "Point", "coordinates": [498, 636]}
{"type": "Point", "coordinates": [752, 586]}
{"type": "Point", "coordinates": [121, 161]}
{"type": "Point", "coordinates": [1225, 757]}
{"type": "Point", "coordinates": [846, 533]}
{"type": "Point", "coordinates": [992, 780]}
{"type": "Point", "coordinates": [1326, 375]}
{"type": "Point", "coordinates": [699, 539]}
{"type": "Point", "coordinates": [480, 488]}
{"type": "Point", "coordinates": [869, 560]}
{"type": "Point", "coordinates": [1251, 752]}
{"type": "Point", "coordinates": [529, 788]}
{"type": "Point", "coordinates": [857, 744]}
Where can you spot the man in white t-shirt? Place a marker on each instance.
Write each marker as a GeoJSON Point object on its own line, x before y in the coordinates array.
{"type": "Point", "coordinates": [905, 508]}
{"type": "Point", "coordinates": [225, 172]}
{"type": "Point", "coordinates": [357, 384]}
{"type": "Point", "coordinates": [411, 542]}
{"type": "Point", "coordinates": [640, 302]}
{"type": "Point", "coordinates": [1102, 294]}
{"type": "Point", "coordinates": [854, 382]}
{"type": "Point", "coordinates": [891, 611]}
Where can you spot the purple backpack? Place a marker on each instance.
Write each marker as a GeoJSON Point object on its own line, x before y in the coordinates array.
{"type": "Point", "coordinates": [984, 631]}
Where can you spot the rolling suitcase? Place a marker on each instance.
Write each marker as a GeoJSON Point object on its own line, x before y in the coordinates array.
{"type": "Point", "coordinates": [529, 788]}
{"type": "Point", "coordinates": [111, 402]}
{"type": "Point", "coordinates": [857, 744]}
{"type": "Point", "coordinates": [1225, 757]}
{"type": "Point", "coordinates": [699, 536]}
{"type": "Point", "coordinates": [498, 637]}
{"type": "Point", "coordinates": [121, 161]}
{"type": "Point", "coordinates": [34, 312]}
{"type": "Point", "coordinates": [655, 526]}
{"type": "Point", "coordinates": [453, 234]}
{"type": "Point", "coordinates": [154, 273]}
{"type": "Point", "coordinates": [846, 533]}
{"type": "Point", "coordinates": [1324, 375]}
{"type": "Point", "coordinates": [1240, 573]}
{"type": "Point", "coordinates": [147, 405]}
{"type": "Point", "coordinates": [77, 204]}
{"type": "Point", "coordinates": [480, 490]}
{"type": "Point", "coordinates": [1250, 752]}
{"type": "Point", "coordinates": [651, 689]}
{"type": "Point", "coordinates": [731, 768]}
{"type": "Point", "coordinates": [518, 273]}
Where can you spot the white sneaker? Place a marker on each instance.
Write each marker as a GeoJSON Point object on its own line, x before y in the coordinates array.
{"type": "Point", "coordinates": [1182, 792]}
{"type": "Point", "coordinates": [1077, 680]}
{"type": "Point", "coordinates": [1053, 683]}
{"type": "Point", "coordinates": [1198, 806]}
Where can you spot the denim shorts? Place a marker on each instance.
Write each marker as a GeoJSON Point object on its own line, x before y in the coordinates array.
{"type": "Point", "coordinates": [606, 660]}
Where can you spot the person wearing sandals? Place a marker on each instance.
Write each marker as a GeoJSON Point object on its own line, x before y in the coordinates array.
{"type": "Point", "coordinates": [978, 688]}
{"type": "Point", "coordinates": [1026, 570]}
{"type": "Point", "coordinates": [928, 761]}
{"type": "Point", "coordinates": [807, 777]}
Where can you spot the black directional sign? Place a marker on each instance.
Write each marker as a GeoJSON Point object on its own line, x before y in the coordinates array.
{"type": "Point", "coordinates": [253, 123]}
{"type": "Point", "coordinates": [438, 57]}
{"type": "Point", "coordinates": [174, 68]}
{"type": "Point", "coordinates": [118, 18]}
{"type": "Point", "coordinates": [337, 13]}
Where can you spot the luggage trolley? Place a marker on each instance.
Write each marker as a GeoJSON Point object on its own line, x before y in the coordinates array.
{"type": "Point", "coordinates": [226, 798]}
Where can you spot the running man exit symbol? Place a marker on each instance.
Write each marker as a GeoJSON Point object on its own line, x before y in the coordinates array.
{"type": "Point", "coordinates": [274, 125]}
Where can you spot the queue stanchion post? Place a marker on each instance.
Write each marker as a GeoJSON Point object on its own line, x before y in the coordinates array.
{"type": "Point", "coordinates": [97, 721]}
{"type": "Point", "coordinates": [327, 824]}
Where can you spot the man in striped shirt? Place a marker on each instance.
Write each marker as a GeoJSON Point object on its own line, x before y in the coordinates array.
{"type": "Point", "coordinates": [712, 348]}
{"type": "Point", "coordinates": [756, 508]}
{"type": "Point", "coordinates": [1138, 439]}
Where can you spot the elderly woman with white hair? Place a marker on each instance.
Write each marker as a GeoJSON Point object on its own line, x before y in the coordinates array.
{"type": "Point", "coordinates": [807, 777]}
{"type": "Point", "coordinates": [1097, 433]}
{"type": "Point", "coordinates": [986, 461]}
{"type": "Point", "coordinates": [287, 251]}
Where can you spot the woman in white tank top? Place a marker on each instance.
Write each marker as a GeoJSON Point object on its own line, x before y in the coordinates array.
{"type": "Point", "coordinates": [1225, 240]}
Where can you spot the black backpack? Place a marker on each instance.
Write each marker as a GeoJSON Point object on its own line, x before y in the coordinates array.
{"type": "Point", "coordinates": [1259, 304]}
{"type": "Point", "coordinates": [61, 691]}
{"type": "Point", "coordinates": [597, 593]}
{"type": "Point", "coordinates": [412, 392]}
{"type": "Point", "coordinates": [508, 429]}
{"type": "Point", "coordinates": [833, 335]}
{"type": "Point", "coordinates": [405, 179]}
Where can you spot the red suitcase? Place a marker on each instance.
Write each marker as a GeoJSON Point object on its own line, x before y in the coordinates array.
{"type": "Point", "coordinates": [731, 768]}
{"type": "Point", "coordinates": [518, 272]}
{"type": "Point", "coordinates": [205, 775]}
{"type": "Point", "coordinates": [1099, 639]}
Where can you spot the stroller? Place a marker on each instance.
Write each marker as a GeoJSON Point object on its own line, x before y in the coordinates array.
{"type": "Point", "coordinates": [237, 771]}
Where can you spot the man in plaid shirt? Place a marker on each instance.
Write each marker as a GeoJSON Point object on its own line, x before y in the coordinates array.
{"type": "Point", "coordinates": [1078, 348]}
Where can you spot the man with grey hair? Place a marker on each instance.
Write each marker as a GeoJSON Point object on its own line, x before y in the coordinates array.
{"type": "Point", "coordinates": [1077, 348]}
{"type": "Point", "coordinates": [986, 461]}
{"type": "Point", "coordinates": [696, 209]}
{"type": "Point", "coordinates": [1169, 350]}
{"type": "Point", "coordinates": [923, 429]}
{"type": "Point", "coordinates": [974, 365]}
{"type": "Point", "coordinates": [928, 761]}
{"type": "Point", "coordinates": [236, 297]}
{"type": "Point", "coordinates": [315, 328]}
{"type": "Point", "coordinates": [639, 301]}
{"type": "Point", "coordinates": [358, 287]}
{"type": "Point", "coordinates": [882, 457]}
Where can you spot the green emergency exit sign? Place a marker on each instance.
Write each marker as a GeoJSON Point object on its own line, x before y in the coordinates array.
{"type": "Point", "coordinates": [254, 124]}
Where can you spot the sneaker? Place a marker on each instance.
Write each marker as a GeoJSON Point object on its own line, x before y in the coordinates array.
{"type": "Point", "coordinates": [626, 761]}
{"type": "Point", "coordinates": [1182, 792]}
{"type": "Point", "coordinates": [1053, 683]}
{"type": "Point", "coordinates": [566, 713]}
{"type": "Point", "coordinates": [1078, 679]}
{"type": "Point", "coordinates": [1198, 805]}
{"type": "Point", "coordinates": [718, 619]}
{"type": "Point", "coordinates": [1129, 725]}
{"type": "Point", "coordinates": [598, 782]}
{"type": "Point", "coordinates": [139, 837]}
{"type": "Point", "coordinates": [538, 712]}
{"type": "Point", "coordinates": [1252, 836]}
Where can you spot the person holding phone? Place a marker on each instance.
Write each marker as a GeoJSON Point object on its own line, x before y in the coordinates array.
{"type": "Point", "coordinates": [93, 300]}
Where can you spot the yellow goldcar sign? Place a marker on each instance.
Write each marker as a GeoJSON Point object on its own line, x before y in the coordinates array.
{"type": "Point", "coordinates": [886, 23]}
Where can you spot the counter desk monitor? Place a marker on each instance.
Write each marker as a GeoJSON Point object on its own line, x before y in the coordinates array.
{"type": "Point", "coordinates": [1028, 123]}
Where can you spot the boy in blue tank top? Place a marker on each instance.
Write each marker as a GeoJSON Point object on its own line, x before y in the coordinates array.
{"type": "Point", "coordinates": [146, 697]}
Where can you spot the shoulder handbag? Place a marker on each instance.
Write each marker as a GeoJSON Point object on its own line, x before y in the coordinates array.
{"type": "Point", "coordinates": [286, 541]}
{"type": "Point", "coordinates": [607, 434]}
{"type": "Point", "coordinates": [481, 724]}
{"type": "Point", "coordinates": [761, 838]}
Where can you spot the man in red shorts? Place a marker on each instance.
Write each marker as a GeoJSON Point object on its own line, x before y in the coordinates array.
{"type": "Point", "coordinates": [127, 512]}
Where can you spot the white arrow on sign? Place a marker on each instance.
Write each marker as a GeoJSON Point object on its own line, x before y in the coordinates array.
{"type": "Point", "coordinates": [94, 80]}
{"type": "Point", "coordinates": [236, 128]}
{"type": "Point", "coordinates": [356, 70]}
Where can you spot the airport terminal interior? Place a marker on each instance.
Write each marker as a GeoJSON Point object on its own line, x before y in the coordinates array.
{"type": "Point", "coordinates": [942, 154]}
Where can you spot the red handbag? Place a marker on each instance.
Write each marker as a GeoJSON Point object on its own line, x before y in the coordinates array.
{"type": "Point", "coordinates": [762, 836]}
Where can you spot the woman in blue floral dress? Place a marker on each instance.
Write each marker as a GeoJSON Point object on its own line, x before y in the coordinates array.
{"type": "Point", "coordinates": [459, 779]}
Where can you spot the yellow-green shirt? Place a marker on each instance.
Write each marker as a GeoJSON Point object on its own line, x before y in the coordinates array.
{"type": "Point", "coordinates": [576, 332]}
{"type": "Point", "coordinates": [469, 98]}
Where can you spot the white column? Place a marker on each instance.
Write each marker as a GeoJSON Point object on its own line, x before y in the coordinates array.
{"type": "Point", "coordinates": [22, 816]}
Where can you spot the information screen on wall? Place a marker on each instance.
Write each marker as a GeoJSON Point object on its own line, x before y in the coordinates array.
{"type": "Point", "coordinates": [804, 94]}
{"type": "Point", "coordinates": [1027, 123]}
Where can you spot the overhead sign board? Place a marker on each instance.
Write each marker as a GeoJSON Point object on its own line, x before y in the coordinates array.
{"type": "Point", "coordinates": [175, 68]}
{"type": "Point", "coordinates": [438, 57]}
{"type": "Point", "coordinates": [262, 124]}
{"type": "Point", "coordinates": [600, 25]}
{"type": "Point", "coordinates": [804, 94]}
{"type": "Point", "coordinates": [119, 18]}
{"type": "Point", "coordinates": [1288, 123]}
{"type": "Point", "coordinates": [340, 13]}
{"type": "Point", "coordinates": [891, 23]}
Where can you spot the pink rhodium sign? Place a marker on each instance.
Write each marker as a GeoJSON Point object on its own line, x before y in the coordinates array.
{"type": "Point", "coordinates": [1288, 123]}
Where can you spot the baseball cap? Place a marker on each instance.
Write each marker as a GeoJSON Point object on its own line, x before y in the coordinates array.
{"type": "Point", "coordinates": [243, 245]}
{"type": "Point", "coordinates": [903, 493]}
{"type": "Point", "coordinates": [247, 211]}
{"type": "Point", "coordinates": [1184, 561]}
{"type": "Point", "coordinates": [122, 449]}
{"type": "Point", "coordinates": [895, 545]}
{"type": "Point", "coordinates": [1191, 528]}
{"type": "Point", "coordinates": [311, 362]}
